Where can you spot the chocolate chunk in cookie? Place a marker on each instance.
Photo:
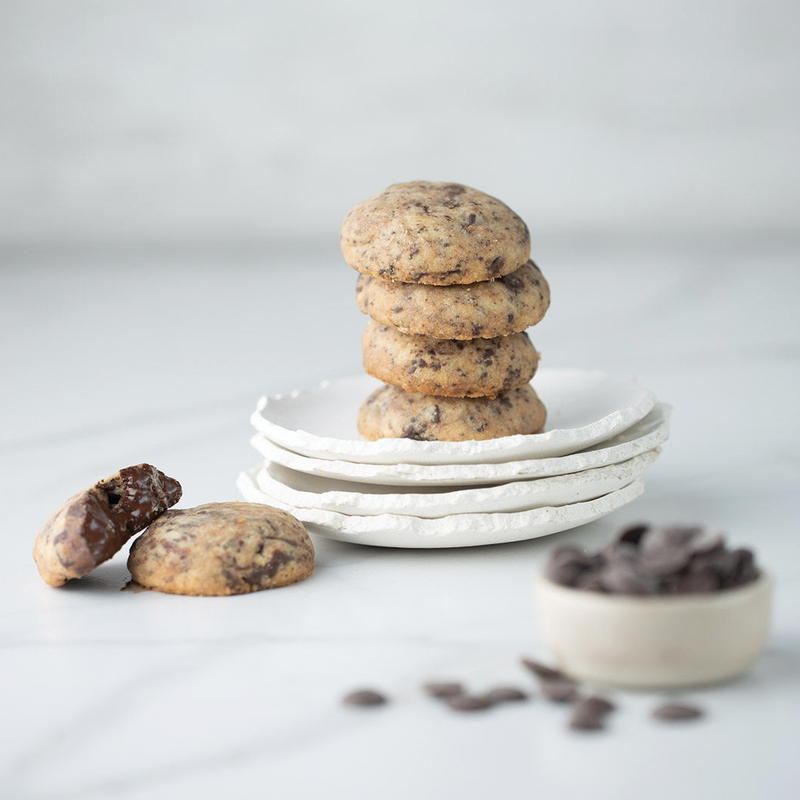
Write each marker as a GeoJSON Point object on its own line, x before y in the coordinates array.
{"type": "Point", "coordinates": [446, 367]}
{"type": "Point", "coordinates": [392, 413]}
{"type": "Point", "coordinates": [480, 310]}
{"type": "Point", "coordinates": [94, 524]}
{"type": "Point", "coordinates": [434, 233]}
{"type": "Point", "coordinates": [222, 549]}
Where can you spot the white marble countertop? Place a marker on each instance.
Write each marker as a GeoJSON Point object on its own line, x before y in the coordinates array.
{"type": "Point", "coordinates": [108, 360]}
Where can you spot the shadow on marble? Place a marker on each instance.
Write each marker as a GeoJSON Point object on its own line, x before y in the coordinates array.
{"type": "Point", "coordinates": [108, 577]}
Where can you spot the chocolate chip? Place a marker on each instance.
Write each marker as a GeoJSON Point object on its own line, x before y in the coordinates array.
{"type": "Point", "coordinates": [601, 703]}
{"type": "Point", "coordinates": [559, 691]}
{"type": "Point", "coordinates": [621, 551]}
{"type": "Point", "coordinates": [469, 702]}
{"type": "Point", "coordinates": [496, 265]}
{"type": "Point", "coordinates": [589, 713]}
{"type": "Point", "coordinates": [505, 694]}
{"type": "Point", "coordinates": [513, 283]}
{"type": "Point", "coordinates": [542, 671]}
{"type": "Point", "coordinates": [707, 543]}
{"type": "Point", "coordinates": [415, 431]}
{"type": "Point", "coordinates": [677, 712]}
{"type": "Point", "coordinates": [554, 684]}
{"type": "Point", "coordinates": [633, 534]}
{"type": "Point", "coordinates": [744, 567]}
{"type": "Point", "coordinates": [665, 551]}
{"type": "Point", "coordinates": [620, 577]}
{"type": "Point", "coordinates": [705, 580]}
{"type": "Point", "coordinates": [664, 562]}
{"type": "Point", "coordinates": [443, 690]}
{"type": "Point", "coordinates": [365, 697]}
{"type": "Point", "coordinates": [645, 560]}
{"type": "Point", "coordinates": [567, 564]}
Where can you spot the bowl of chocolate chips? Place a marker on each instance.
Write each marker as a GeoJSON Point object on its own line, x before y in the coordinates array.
{"type": "Point", "coordinates": [659, 607]}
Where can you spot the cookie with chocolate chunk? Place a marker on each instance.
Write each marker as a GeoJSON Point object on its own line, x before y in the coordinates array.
{"type": "Point", "coordinates": [486, 310]}
{"type": "Point", "coordinates": [222, 549]}
{"type": "Point", "coordinates": [448, 367]}
{"type": "Point", "coordinates": [392, 413]}
{"type": "Point", "coordinates": [94, 524]}
{"type": "Point", "coordinates": [434, 233]}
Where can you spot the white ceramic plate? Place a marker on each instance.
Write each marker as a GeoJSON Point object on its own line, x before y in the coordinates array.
{"type": "Point", "coordinates": [646, 434]}
{"type": "Point", "coordinates": [583, 408]}
{"type": "Point", "coordinates": [300, 490]}
{"type": "Point", "coordinates": [457, 530]}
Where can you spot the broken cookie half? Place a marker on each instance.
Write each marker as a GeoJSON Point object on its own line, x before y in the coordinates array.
{"type": "Point", "coordinates": [95, 523]}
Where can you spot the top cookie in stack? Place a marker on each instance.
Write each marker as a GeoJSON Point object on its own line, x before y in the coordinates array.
{"type": "Point", "coordinates": [447, 280]}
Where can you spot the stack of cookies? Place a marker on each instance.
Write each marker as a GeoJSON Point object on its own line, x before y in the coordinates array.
{"type": "Point", "coordinates": [448, 284]}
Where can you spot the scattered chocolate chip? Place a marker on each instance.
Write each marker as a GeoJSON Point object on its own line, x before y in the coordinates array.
{"type": "Point", "coordinates": [505, 694]}
{"type": "Point", "coordinates": [443, 690]}
{"type": "Point", "coordinates": [469, 702]}
{"type": "Point", "coordinates": [559, 691]}
{"type": "Point", "coordinates": [365, 697]}
{"type": "Point", "coordinates": [603, 703]}
{"type": "Point", "coordinates": [589, 713]}
{"type": "Point", "coordinates": [542, 671]}
{"type": "Point", "coordinates": [677, 712]}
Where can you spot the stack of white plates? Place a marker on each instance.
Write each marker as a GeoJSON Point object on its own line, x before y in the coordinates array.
{"type": "Point", "coordinates": [602, 433]}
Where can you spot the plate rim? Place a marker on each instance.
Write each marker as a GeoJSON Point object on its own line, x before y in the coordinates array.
{"type": "Point", "coordinates": [464, 523]}
{"type": "Point", "coordinates": [472, 494]}
{"type": "Point", "coordinates": [406, 449]}
{"type": "Point", "coordinates": [363, 472]}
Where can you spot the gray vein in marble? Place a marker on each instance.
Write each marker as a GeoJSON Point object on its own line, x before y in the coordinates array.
{"type": "Point", "coordinates": [267, 747]}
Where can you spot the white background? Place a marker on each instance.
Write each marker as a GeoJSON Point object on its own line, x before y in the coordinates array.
{"type": "Point", "coordinates": [181, 121]}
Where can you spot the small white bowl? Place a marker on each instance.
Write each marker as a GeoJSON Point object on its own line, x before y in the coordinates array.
{"type": "Point", "coordinates": [654, 642]}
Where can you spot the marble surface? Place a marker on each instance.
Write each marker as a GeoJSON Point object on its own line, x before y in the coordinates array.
{"type": "Point", "coordinates": [110, 358]}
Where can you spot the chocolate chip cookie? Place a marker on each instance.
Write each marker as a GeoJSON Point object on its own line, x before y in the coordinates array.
{"type": "Point", "coordinates": [434, 233]}
{"type": "Point", "coordinates": [392, 413]}
{"type": "Point", "coordinates": [94, 524]}
{"type": "Point", "coordinates": [492, 308]}
{"type": "Point", "coordinates": [448, 367]}
{"type": "Point", "coordinates": [222, 549]}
